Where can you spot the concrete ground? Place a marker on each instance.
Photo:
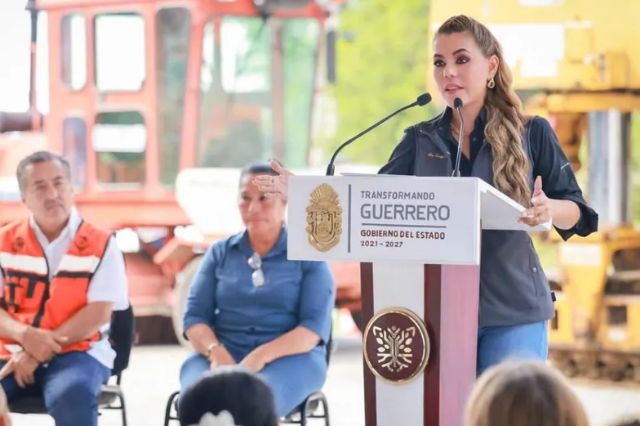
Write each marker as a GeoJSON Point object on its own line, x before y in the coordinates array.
{"type": "Point", "coordinates": [153, 375]}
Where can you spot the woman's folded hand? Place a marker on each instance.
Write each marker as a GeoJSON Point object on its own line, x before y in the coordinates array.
{"type": "Point", "coordinates": [220, 356]}
{"type": "Point", "coordinates": [257, 359]}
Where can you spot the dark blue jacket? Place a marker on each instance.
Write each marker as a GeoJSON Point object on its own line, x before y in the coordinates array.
{"type": "Point", "coordinates": [513, 286]}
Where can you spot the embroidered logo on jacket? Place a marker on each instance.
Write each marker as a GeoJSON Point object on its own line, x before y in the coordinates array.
{"type": "Point", "coordinates": [437, 155]}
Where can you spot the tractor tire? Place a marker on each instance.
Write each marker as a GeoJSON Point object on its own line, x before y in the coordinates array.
{"type": "Point", "coordinates": [181, 292]}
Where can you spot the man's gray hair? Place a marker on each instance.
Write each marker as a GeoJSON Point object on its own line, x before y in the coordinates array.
{"type": "Point", "coordinates": [39, 157]}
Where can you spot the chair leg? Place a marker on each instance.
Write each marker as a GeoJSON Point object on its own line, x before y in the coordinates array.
{"type": "Point", "coordinates": [123, 410]}
{"type": "Point", "coordinates": [305, 410]}
{"type": "Point", "coordinates": [325, 408]}
{"type": "Point", "coordinates": [167, 411]}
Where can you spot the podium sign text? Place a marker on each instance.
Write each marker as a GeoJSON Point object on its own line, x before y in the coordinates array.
{"type": "Point", "coordinates": [369, 218]}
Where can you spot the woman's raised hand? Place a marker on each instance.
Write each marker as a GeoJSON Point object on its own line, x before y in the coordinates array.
{"type": "Point", "coordinates": [274, 186]}
{"type": "Point", "coordinates": [540, 211]}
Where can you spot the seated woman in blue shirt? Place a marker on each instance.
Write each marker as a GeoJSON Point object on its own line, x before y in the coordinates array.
{"type": "Point", "coordinates": [251, 306]}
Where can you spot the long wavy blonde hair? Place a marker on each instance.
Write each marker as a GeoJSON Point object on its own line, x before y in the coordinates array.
{"type": "Point", "coordinates": [506, 120]}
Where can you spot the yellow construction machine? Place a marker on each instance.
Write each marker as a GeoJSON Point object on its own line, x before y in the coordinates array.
{"type": "Point", "coordinates": [577, 62]}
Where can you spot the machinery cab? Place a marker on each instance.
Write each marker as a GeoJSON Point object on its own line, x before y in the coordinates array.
{"type": "Point", "coordinates": [142, 90]}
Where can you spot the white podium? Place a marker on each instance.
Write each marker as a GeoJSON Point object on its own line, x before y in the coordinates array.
{"type": "Point", "coordinates": [418, 239]}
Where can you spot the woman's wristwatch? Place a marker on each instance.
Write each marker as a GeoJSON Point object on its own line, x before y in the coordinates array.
{"type": "Point", "coordinates": [211, 347]}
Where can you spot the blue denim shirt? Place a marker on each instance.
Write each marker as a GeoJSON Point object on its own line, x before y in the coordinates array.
{"type": "Point", "coordinates": [222, 295]}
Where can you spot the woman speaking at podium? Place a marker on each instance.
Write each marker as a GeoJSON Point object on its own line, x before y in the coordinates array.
{"type": "Point", "coordinates": [518, 155]}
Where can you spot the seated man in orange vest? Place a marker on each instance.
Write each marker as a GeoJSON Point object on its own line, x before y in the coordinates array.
{"type": "Point", "coordinates": [60, 278]}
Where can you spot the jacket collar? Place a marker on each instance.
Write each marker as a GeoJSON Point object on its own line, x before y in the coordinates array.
{"type": "Point", "coordinates": [442, 125]}
{"type": "Point", "coordinates": [443, 121]}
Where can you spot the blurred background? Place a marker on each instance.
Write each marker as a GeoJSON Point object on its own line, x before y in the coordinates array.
{"type": "Point", "coordinates": [157, 104]}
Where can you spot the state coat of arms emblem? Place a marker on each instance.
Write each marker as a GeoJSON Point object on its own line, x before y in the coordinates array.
{"type": "Point", "coordinates": [324, 218]}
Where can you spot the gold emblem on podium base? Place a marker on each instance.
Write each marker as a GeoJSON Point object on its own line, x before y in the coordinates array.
{"type": "Point", "coordinates": [324, 218]}
{"type": "Point", "coordinates": [396, 345]}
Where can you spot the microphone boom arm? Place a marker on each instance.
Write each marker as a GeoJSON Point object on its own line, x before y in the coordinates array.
{"type": "Point", "coordinates": [422, 100]}
{"type": "Point", "coordinates": [331, 167]}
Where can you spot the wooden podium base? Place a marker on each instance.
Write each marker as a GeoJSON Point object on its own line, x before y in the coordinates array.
{"type": "Point", "coordinates": [445, 297]}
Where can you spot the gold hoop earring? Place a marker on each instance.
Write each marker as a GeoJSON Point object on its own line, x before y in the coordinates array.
{"type": "Point", "coordinates": [491, 83]}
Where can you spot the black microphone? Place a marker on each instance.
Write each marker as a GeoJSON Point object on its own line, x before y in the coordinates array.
{"type": "Point", "coordinates": [421, 100]}
{"type": "Point", "coordinates": [457, 104]}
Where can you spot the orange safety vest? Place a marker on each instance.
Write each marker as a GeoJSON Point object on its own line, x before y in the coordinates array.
{"type": "Point", "coordinates": [28, 295]}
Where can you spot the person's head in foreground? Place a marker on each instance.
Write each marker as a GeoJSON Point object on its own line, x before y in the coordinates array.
{"type": "Point", "coordinates": [523, 393]}
{"type": "Point", "coordinates": [228, 396]}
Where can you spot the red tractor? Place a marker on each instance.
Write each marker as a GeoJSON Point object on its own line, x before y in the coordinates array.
{"type": "Point", "coordinates": [142, 90]}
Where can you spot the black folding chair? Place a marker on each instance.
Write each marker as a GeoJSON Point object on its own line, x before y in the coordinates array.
{"type": "Point", "coordinates": [171, 410]}
{"type": "Point", "coordinates": [308, 409]}
{"type": "Point", "coordinates": [121, 337]}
